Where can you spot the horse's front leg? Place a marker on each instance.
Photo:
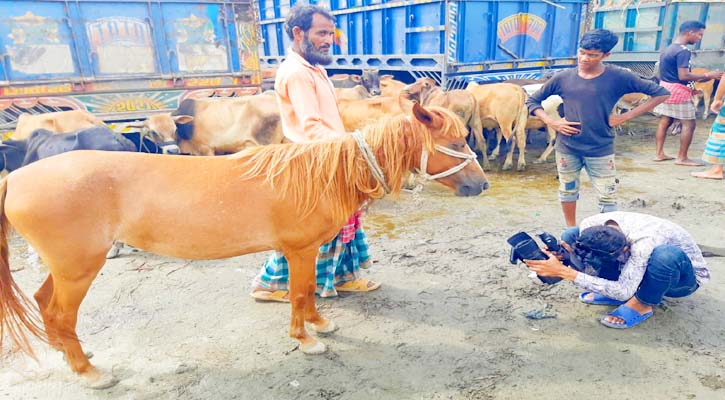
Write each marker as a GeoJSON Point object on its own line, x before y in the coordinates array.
{"type": "Point", "coordinates": [302, 298]}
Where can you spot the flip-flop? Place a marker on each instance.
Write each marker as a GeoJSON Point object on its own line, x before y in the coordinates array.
{"type": "Point", "coordinates": [630, 316]}
{"type": "Point", "coordinates": [599, 300]}
{"type": "Point", "coordinates": [702, 175]}
{"type": "Point", "coordinates": [668, 158]}
{"type": "Point", "coordinates": [281, 296]}
{"type": "Point", "coordinates": [358, 285]}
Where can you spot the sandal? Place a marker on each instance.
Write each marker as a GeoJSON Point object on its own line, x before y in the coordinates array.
{"type": "Point", "coordinates": [599, 300]}
{"type": "Point", "coordinates": [281, 296]}
{"type": "Point", "coordinates": [358, 285]}
{"type": "Point", "coordinates": [630, 316]}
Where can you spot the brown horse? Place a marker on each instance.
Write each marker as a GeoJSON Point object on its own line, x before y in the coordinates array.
{"type": "Point", "coordinates": [289, 197]}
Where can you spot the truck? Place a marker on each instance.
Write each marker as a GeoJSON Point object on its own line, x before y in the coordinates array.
{"type": "Point", "coordinates": [126, 59]}
{"type": "Point", "coordinates": [646, 27]}
{"type": "Point", "coordinates": [452, 41]}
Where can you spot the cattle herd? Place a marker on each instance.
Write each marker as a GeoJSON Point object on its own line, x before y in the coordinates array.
{"type": "Point", "coordinates": [215, 126]}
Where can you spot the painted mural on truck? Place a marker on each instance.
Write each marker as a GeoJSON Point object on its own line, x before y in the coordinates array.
{"type": "Point", "coordinates": [37, 46]}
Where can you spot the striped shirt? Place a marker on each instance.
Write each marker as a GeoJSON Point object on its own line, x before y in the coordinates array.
{"type": "Point", "coordinates": [644, 233]}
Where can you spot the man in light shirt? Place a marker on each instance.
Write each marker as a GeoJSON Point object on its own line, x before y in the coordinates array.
{"type": "Point", "coordinates": [308, 109]}
{"type": "Point", "coordinates": [630, 260]}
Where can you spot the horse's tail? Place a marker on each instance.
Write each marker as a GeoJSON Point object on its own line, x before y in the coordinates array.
{"type": "Point", "coordinates": [17, 313]}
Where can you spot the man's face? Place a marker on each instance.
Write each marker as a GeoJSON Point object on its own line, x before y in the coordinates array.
{"type": "Point", "coordinates": [589, 59]}
{"type": "Point", "coordinates": [694, 36]}
{"type": "Point", "coordinates": [317, 41]}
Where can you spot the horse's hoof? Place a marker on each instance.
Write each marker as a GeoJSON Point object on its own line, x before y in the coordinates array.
{"type": "Point", "coordinates": [327, 328]}
{"type": "Point", "coordinates": [506, 167]}
{"type": "Point", "coordinates": [521, 167]}
{"type": "Point", "coordinates": [98, 380]}
{"type": "Point", "coordinates": [314, 348]}
{"type": "Point", "coordinates": [539, 161]}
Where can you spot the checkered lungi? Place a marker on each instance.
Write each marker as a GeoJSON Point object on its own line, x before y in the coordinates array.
{"type": "Point", "coordinates": [679, 105]}
{"type": "Point", "coordinates": [337, 262]}
{"type": "Point", "coordinates": [682, 111]}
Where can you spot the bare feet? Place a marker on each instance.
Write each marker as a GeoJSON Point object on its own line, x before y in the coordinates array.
{"type": "Point", "coordinates": [663, 157]}
{"type": "Point", "coordinates": [707, 175]}
{"type": "Point", "coordinates": [689, 163]}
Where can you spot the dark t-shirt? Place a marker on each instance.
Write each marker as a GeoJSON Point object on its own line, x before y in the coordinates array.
{"type": "Point", "coordinates": [673, 57]}
{"type": "Point", "coordinates": [590, 101]}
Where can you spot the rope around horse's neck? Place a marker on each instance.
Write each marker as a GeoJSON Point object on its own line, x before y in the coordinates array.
{"type": "Point", "coordinates": [369, 157]}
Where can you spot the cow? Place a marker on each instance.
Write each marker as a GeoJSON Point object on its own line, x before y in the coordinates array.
{"type": "Point", "coordinates": [460, 102]}
{"type": "Point", "coordinates": [44, 143]}
{"type": "Point", "coordinates": [356, 114]}
{"type": "Point", "coordinates": [369, 79]}
{"type": "Point", "coordinates": [552, 105]}
{"type": "Point", "coordinates": [502, 107]}
{"type": "Point", "coordinates": [214, 126]}
{"type": "Point", "coordinates": [390, 87]}
{"type": "Point", "coordinates": [705, 92]}
{"type": "Point", "coordinates": [354, 93]}
{"type": "Point", "coordinates": [58, 122]}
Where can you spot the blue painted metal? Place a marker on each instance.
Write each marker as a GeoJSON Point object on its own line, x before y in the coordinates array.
{"type": "Point", "coordinates": [646, 28]}
{"type": "Point", "coordinates": [451, 40]}
{"type": "Point", "coordinates": [119, 57]}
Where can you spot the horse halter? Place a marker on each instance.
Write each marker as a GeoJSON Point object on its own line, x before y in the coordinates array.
{"type": "Point", "coordinates": [423, 170]}
{"type": "Point", "coordinates": [379, 176]}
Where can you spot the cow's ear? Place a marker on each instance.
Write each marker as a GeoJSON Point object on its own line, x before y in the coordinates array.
{"type": "Point", "coordinates": [428, 119]}
{"type": "Point", "coordinates": [183, 119]}
{"type": "Point", "coordinates": [355, 78]}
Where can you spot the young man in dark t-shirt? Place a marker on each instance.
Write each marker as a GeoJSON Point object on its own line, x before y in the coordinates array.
{"type": "Point", "coordinates": [675, 76]}
{"type": "Point", "coordinates": [585, 138]}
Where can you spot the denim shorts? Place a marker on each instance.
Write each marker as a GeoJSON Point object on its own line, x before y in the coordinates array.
{"type": "Point", "coordinates": [602, 173]}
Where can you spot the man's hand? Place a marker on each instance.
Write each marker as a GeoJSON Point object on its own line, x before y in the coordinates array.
{"type": "Point", "coordinates": [551, 267]}
{"type": "Point", "coordinates": [716, 105]}
{"type": "Point", "coordinates": [617, 119]}
{"type": "Point", "coordinates": [564, 127]}
{"type": "Point", "coordinates": [714, 75]}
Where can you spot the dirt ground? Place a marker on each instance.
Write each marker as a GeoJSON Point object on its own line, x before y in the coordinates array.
{"type": "Point", "coordinates": [448, 322]}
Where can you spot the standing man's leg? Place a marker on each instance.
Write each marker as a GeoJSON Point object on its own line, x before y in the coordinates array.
{"type": "Point", "coordinates": [602, 172]}
{"type": "Point", "coordinates": [660, 136]}
{"type": "Point", "coordinates": [688, 131]}
{"type": "Point", "coordinates": [569, 168]}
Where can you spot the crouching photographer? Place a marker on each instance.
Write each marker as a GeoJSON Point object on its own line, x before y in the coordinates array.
{"type": "Point", "coordinates": [626, 259]}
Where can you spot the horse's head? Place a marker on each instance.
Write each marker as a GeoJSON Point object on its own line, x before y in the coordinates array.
{"type": "Point", "coordinates": [446, 156]}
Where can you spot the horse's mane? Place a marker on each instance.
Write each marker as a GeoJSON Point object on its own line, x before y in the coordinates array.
{"type": "Point", "coordinates": [334, 169]}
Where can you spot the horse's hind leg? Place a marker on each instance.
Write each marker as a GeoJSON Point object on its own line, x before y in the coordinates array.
{"type": "Point", "coordinates": [302, 285]}
{"type": "Point", "coordinates": [42, 297]}
{"type": "Point", "coordinates": [61, 312]}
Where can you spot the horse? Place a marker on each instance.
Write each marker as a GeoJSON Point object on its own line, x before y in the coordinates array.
{"type": "Point", "coordinates": [289, 197]}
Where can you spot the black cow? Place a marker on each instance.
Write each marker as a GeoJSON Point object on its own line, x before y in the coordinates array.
{"type": "Point", "coordinates": [43, 143]}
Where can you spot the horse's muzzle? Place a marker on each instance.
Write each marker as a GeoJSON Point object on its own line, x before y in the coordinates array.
{"type": "Point", "coordinates": [472, 189]}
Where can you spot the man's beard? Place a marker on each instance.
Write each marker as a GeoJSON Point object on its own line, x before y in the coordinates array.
{"type": "Point", "coordinates": [314, 56]}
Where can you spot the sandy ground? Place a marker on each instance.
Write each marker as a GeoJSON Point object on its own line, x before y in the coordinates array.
{"type": "Point", "coordinates": [447, 323]}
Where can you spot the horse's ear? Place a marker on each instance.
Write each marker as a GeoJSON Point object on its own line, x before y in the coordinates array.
{"type": "Point", "coordinates": [428, 119]}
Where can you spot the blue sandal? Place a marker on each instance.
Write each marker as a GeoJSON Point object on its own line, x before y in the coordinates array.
{"type": "Point", "coordinates": [599, 300]}
{"type": "Point", "coordinates": [631, 317]}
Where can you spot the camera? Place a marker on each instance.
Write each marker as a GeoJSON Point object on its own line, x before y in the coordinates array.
{"type": "Point", "coordinates": [524, 247]}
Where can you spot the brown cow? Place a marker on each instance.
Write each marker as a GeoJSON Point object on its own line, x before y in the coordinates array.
{"type": "Point", "coordinates": [390, 87]}
{"type": "Point", "coordinates": [220, 125]}
{"type": "Point", "coordinates": [706, 89]}
{"type": "Point", "coordinates": [354, 93]}
{"type": "Point", "coordinates": [502, 107]}
{"type": "Point", "coordinates": [358, 113]}
{"type": "Point", "coordinates": [57, 122]}
{"type": "Point", "coordinates": [460, 102]}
